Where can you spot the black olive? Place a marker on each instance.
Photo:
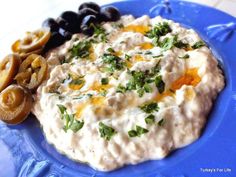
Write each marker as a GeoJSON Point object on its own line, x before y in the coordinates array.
{"type": "Point", "coordinates": [51, 23]}
{"type": "Point", "coordinates": [66, 34]}
{"type": "Point", "coordinates": [86, 25]}
{"type": "Point", "coordinates": [91, 5]}
{"type": "Point", "coordinates": [87, 11]}
{"type": "Point", "coordinates": [70, 16]}
{"type": "Point", "coordinates": [71, 27]}
{"type": "Point", "coordinates": [110, 13]}
{"type": "Point", "coordinates": [62, 22]}
{"type": "Point", "coordinates": [56, 39]}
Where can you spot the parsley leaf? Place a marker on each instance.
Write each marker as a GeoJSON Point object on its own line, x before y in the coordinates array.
{"type": "Point", "coordinates": [100, 33]}
{"type": "Point", "coordinates": [81, 49]}
{"type": "Point", "coordinates": [104, 81]}
{"type": "Point", "coordinates": [181, 45]}
{"type": "Point", "coordinates": [186, 56]}
{"type": "Point", "coordinates": [138, 132]}
{"type": "Point", "coordinates": [115, 62]}
{"type": "Point", "coordinates": [106, 132]}
{"type": "Point", "coordinates": [168, 43]}
{"type": "Point", "coordinates": [120, 89]}
{"type": "Point", "coordinates": [149, 107]}
{"type": "Point", "coordinates": [150, 119]}
{"type": "Point", "coordinates": [70, 121]}
{"type": "Point", "coordinates": [127, 57]}
{"type": "Point", "coordinates": [132, 133]}
{"type": "Point", "coordinates": [160, 29]}
{"type": "Point", "coordinates": [198, 44]}
{"type": "Point", "coordinates": [161, 122]}
{"type": "Point", "coordinates": [160, 84]}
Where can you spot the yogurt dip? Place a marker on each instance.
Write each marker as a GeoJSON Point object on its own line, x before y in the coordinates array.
{"type": "Point", "coordinates": [134, 91]}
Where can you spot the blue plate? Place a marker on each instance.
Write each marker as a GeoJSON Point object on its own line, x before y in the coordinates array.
{"type": "Point", "coordinates": [24, 151]}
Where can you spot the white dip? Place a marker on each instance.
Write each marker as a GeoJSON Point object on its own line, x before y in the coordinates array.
{"type": "Point", "coordinates": [104, 122]}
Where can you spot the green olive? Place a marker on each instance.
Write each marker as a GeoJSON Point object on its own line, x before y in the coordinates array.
{"type": "Point", "coordinates": [15, 104]}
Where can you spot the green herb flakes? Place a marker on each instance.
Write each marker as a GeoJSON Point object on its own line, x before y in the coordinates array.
{"type": "Point", "coordinates": [186, 56]}
{"type": "Point", "coordinates": [159, 30]}
{"type": "Point", "coordinates": [160, 84]}
{"type": "Point", "coordinates": [120, 89]}
{"type": "Point", "coordinates": [127, 57]}
{"type": "Point", "coordinates": [100, 33]}
{"type": "Point", "coordinates": [150, 119]}
{"type": "Point", "coordinates": [106, 132]}
{"type": "Point", "coordinates": [81, 49]}
{"type": "Point", "coordinates": [104, 81]}
{"type": "Point", "coordinates": [138, 132]}
{"type": "Point", "coordinates": [114, 62]}
{"type": "Point", "coordinates": [149, 107]}
{"type": "Point", "coordinates": [70, 121]}
{"type": "Point", "coordinates": [198, 44]}
{"type": "Point", "coordinates": [161, 122]}
{"type": "Point", "coordinates": [132, 133]}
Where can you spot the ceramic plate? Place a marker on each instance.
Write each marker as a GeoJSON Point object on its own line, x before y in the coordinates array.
{"type": "Point", "coordinates": [24, 152]}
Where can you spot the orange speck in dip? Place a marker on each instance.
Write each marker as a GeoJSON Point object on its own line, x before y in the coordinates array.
{"type": "Point", "coordinates": [92, 55]}
{"type": "Point", "coordinates": [146, 46]}
{"type": "Point", "coordinates": [190, 77]}
{"type": "Point", "coordinates": [99, 87]}
{"type": "Point", "coordinates": [118, 53]}
{"type": "Point", "coordinates": [80, 109]}
{"type": "Point", "coordinates": [159, 97]}
{"type": "Point", "coordinates": [78, 85]}
{"type": "Point", "coordinates": [95, 101]}
{"type": "Point", "coordinates": [75, 86]}
{"type": "Point", "coordinates": [139, 58]}
{"type": "Point", "coordinates": [136, 28]}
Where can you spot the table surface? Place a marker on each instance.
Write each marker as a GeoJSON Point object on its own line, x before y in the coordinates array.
{"type": "Point", "coordinates": [25, 15]}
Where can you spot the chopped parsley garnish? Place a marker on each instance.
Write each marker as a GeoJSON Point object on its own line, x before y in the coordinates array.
{"type": "Point", "coordinates": [160, 84]}
{"type": "Point", "coordinates": [115, 62]}
{"type": "Point", "coordinates": [198, 44]}
{"type": "Point", "coordinates": [111, 50]}
{"type": "Point", "coordinates": [106, 132]}
{"type": "Point", "coordinates": [158, 56]}
{"type": "Point", "coordinates": [127, 57]}
{"type": "Point", "coordinates": [148, 53]}
{"type": "Point", "coordinates": [149, 107]}
{"type": "Point", "coordinates": [120, 89]}
{"type": "Point", "coordinates": [132, 133]}
{"type": "Point", "coordinates": [186, 56]}
{"type": "Point", "coordinates": [77, 81]}
{"type": "Point", "coordinates": [181, 45]}
{"type": "Point", "coordinates": [161, 122]}
{"type": "Point", "coordinates": [70, 121]}
{"type": "Point", "coordinates": [104, 81]}
{"type": "Point", "coordinates": [168, 43]}
{"type": "Point", "coordinates": [99, 33]}
{"type": "Point", "coordinates": [141, 80]}
{"type": "Point", "coordinates": [81, 49]}
{"type": "Point", "coordinates": [138, 132]}
{"type": "Point", "coordinates": [103, 93]}
{"type": "Point", "coordinates": [150, 119]}
{"type": "Point", "coordinates": [159, 30]}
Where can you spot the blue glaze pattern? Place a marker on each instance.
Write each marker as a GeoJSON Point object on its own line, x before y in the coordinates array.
{"type": "Point", "coordinates": [161, 8]}
{"type": "Point", "coordinates": [221, 32]}
{"type": "Point", "coordinates": [26, 152]}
